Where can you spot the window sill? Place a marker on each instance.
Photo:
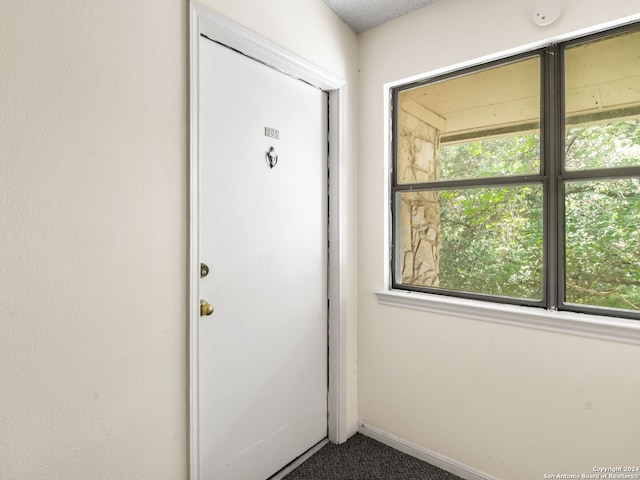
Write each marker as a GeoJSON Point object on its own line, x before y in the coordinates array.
{"type": "Point", "coordinates": [604, 328]}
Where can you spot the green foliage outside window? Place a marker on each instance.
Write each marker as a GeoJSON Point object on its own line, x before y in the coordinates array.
{"type": "Point", "coordinates": [602, 218]}
{"type": "Point", "coordinates": [491, 237]}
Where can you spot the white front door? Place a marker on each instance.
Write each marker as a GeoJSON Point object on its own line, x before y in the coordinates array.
{"type": "Point", "coordinates": [263, 235]}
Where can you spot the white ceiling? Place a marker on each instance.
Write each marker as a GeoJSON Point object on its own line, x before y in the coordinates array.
{"type": "Point", "coordinates": [362, 15]}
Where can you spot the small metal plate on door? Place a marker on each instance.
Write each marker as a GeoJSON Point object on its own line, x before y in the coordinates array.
{"type": "Point", "coordinates": [271, 132]}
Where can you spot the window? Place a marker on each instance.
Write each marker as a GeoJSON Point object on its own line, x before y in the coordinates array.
{"type": "Point", "coordinates": [518, 181]}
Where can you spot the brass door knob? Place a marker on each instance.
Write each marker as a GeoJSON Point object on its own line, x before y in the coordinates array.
{"type": "Point", "coordinates": [205, 308]}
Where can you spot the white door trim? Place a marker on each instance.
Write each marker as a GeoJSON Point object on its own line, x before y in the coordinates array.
{"type": "Point", "coordinates": [219, 28]}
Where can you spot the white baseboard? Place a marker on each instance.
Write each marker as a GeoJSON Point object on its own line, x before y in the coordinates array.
{"type": "Point", "coordinates": [440, 461]}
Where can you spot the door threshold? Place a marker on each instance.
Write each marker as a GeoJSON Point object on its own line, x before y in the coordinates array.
{"type": "Point", "coordinates": [299, 461]}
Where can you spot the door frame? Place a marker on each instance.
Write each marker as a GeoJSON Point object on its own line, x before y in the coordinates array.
{"type": "Point", "coordinates": [219, 28]}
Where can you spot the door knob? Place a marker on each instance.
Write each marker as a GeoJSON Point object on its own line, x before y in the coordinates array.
{"type": "Point", "coordinates": [205, 308]}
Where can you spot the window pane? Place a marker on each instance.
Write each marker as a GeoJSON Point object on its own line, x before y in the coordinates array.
{"type": "Point", "coordinates": [603, 146]}
{"type": "Point", "coordinates": [602, 243]}
{"type": "Point", "coordinates": [477, 240]}
{"type": "Point", "coordinates": [491, 158]}
{"type": "Point", "coordinates": [602, 103]}
{"type": "Point", "coordinates": [482, 124]}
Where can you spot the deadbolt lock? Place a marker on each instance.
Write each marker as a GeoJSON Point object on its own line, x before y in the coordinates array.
{"type": "Point", "coordinates": [205, 308]}
{"type": "Point", "coordinates": [204, 270]}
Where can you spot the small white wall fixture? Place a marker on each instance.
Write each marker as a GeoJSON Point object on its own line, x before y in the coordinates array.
{"type": "Point", "coordinates": [204, 21]}
{"type": "Point", "coordinates": [546, 12]}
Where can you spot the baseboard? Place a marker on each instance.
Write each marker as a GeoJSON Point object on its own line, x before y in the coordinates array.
{"type": "Point", "coordinates": [440, 461]}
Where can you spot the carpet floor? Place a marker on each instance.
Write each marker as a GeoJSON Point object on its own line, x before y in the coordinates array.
{"type": "Point", "coordinates": [362, 458]}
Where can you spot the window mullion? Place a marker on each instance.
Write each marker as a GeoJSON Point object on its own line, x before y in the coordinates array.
{"type": "Point", "coordinates": [553, 146]}
{"type": "Point", "coordinates": [468, 183]}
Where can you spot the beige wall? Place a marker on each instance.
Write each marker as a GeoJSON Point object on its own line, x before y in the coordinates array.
{"type": "Point", "coordinates": [513, 402]}
{"type": "Point", "coordinates": [93, 201]}
{"type": "Point", "coordinates": [93, 236]}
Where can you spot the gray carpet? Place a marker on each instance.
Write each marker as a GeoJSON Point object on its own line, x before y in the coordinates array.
{"type": "Point", "coordinates": [361, 458]}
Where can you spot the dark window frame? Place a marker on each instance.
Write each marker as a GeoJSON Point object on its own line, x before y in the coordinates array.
{"type": "Point", "coordinates": [552, 176]}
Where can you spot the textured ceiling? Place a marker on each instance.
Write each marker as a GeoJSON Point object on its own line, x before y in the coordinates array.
{"type": "Point", "coordinates": [362, 15]}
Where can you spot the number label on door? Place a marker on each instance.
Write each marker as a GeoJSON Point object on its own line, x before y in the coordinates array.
{"type": "Point", "coordinates": [271, 132]}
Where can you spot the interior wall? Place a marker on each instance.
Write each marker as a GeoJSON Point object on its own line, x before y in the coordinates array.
{"type": "Point", "coordinates": [93, 213]}
{"type": "Point", "coordinates": [507, 401]}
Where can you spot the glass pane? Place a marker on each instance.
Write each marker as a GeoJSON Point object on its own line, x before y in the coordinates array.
{"type": "Point", "coordinates": [519, 155]}
{"type": "Point", "coordinates": [602, 103]}
{"type": "Point", "coordinates": [477, 240]}
{"type": "Point", "coordinates": [603, 146]}
{"type": "Point", "coordinates": [482, 124]}
{"type": "Point", "coordinates": [602, 243]}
